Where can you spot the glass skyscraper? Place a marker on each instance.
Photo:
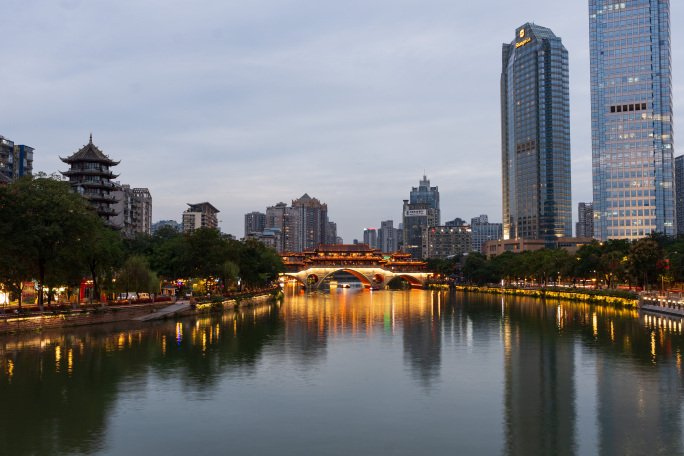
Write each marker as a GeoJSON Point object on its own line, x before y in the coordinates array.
{"type": "Point", "coordinates": [631, 118]}
{"type": "Point", "coordinates": [427, 195]}
{"type": "Point", "coordinates": [535, 135]}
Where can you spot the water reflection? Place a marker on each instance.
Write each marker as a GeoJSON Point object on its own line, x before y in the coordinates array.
{"type": "Point", "coordinates": [60, 390]}
{"type": "Point", "coordinates": [57, 389]}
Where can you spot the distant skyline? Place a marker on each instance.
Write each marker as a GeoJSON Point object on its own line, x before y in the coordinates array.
{"type": "Point", "coordinates": [245, 105]}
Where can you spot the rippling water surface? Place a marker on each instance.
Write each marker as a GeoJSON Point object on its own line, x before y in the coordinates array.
{"type": "Point", "coordinates": [352, 372]}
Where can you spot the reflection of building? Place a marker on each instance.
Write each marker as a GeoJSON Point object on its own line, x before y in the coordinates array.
{"type": "Point", "coordinates": [90, 174]}
{"type": "Point", "coordinates": [639, 410]}
{"type": "Point", "coordinates": [539, 391]}
{"type": "Point", "coordinates": [201, 215]}
{"type": "Point", "coordinates": [535, 136]}
{"type": "Point", "coordinates": [631, 119]}
{"type": "Point", "coordinates": [447, 241]}
{"type": "Point", "coordinates": [423, 343]}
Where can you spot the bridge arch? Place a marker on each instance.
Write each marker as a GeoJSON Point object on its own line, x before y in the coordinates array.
{"type": "Point", "coordinates": [299, 281]}
{"type": "Point", "coordinates": [415, 283]}
{"type": "Point", "coordinates": [364, 280]}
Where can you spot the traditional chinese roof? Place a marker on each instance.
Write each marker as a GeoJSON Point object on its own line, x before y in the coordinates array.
{"type": "Point", "coordinates": [90, 153]}
{"type": "Point", "coordinates": [355, 248]}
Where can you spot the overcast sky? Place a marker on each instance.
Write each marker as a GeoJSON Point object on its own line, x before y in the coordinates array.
{"type": "Point", "coordinates": [248, 103]}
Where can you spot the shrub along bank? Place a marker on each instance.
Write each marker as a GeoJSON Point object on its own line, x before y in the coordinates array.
{"type": "Point", "coordinates": [615, 298]}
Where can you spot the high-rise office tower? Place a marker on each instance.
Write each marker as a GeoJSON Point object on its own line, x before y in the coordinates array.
{"type": "Point", "coordinates": [388, 240]}
{"type": "Point", "coordinates": [331, 233]}
{"type": "Point", "coordinates": [631, 118]}
{"type": "Point", "coordinates": [679, 193]}
{"type": "Point", "coordinates": [424, 194]}
{"type": "Point", "coordinates": [535, 136]}
{"type": "Point", "coordinates": [585, 220]}
{"type": "Point", "coordinates": [370, 237]}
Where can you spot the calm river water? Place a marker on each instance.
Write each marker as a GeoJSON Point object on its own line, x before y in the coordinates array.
{"type": "Point", "coordinates": [353, 372]}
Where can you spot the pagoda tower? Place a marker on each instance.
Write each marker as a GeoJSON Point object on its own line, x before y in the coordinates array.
{"type": "Point", "coordinates": [90, 175]}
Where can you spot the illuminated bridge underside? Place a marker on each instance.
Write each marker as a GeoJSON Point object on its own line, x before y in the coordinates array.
{"type": "Point", "coordinates": [369, 277]}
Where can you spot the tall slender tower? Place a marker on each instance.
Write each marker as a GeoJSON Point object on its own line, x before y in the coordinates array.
{"type": "Point", "coordinates": [631, 118]}
{"type": "Point", "coordinates": [90, 173]}
{"type": "Point", "coordinates": [535, 135]}
{"type": "Point", "coordinates": [424, 194]}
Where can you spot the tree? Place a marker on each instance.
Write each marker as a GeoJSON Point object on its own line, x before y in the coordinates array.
{"type": "Point", "coordinates": [42, 222]}
{"type": "Point", "coordinates": [440, 266]}
{"type": "Point", "coordinates": [258, 263]}
{"type": "Point", "coordinates": [228, 272]}
{"type": "Point", "coordinates": [137, 276]}
{"type": "Point", "coordinates": [204, 251]}
{"type": "Point", "coordinates": [475, 269]}
{"type": "Point", "coordinates": [643, 258]}
{"type": "Point", "coordinates": [101, 252]}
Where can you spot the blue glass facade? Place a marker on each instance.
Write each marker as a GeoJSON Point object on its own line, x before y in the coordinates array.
{"type": "Point", "coordinates": [631, 118]}
{"type": "Point", "coordinates": [424, 194]}
{"type": "Point", "coordinates": [535, 135]}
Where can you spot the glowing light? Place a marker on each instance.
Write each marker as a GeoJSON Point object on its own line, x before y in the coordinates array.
{"type": "Point", "coordinates": [523, 42]}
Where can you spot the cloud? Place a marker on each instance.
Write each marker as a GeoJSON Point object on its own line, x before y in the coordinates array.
{"type": "Point", "coordinates": [246, 104]}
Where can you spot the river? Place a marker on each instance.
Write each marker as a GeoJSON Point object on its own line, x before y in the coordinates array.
{"type": "Point", "coordinates": [348, 371]}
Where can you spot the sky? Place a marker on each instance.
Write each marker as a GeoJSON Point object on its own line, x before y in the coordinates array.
{"type": "Point", "coordinates": [248, 103]}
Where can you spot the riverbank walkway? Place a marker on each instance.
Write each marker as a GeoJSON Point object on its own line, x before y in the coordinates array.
{"type": "Point", "coordinates": [671, 303]}
{"type": "Point", "coordinates": [178, 306]}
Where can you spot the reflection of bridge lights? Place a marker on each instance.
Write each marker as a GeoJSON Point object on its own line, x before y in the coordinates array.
{"type": "Point", "coordinates": [179, 333]}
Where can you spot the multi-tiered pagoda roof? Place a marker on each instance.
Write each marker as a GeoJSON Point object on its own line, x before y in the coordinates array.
{"type": "Point", "coordinates": [90, 175]}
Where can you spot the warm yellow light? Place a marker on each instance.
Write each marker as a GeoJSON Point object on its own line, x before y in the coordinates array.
{"type": "Point", "coordinates": [523, 42]}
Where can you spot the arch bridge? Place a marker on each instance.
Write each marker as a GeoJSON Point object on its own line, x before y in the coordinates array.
{"type": "Point", "coordinates": [311, 268]}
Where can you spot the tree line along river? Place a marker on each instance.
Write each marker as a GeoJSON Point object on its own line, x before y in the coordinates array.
{"type": "Point", "coordinates": [351, 371]}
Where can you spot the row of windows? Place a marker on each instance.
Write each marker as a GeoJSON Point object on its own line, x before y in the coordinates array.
{"type": "Point", "coordinates": [633, 232]}
{"type": "Point", "coordinates": [630, 126]}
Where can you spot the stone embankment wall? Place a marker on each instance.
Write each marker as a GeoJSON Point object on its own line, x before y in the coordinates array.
{"type": "Point", "coordinates": [101, 315]}
{"type": "Point", "coordinates": [29, 323]}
